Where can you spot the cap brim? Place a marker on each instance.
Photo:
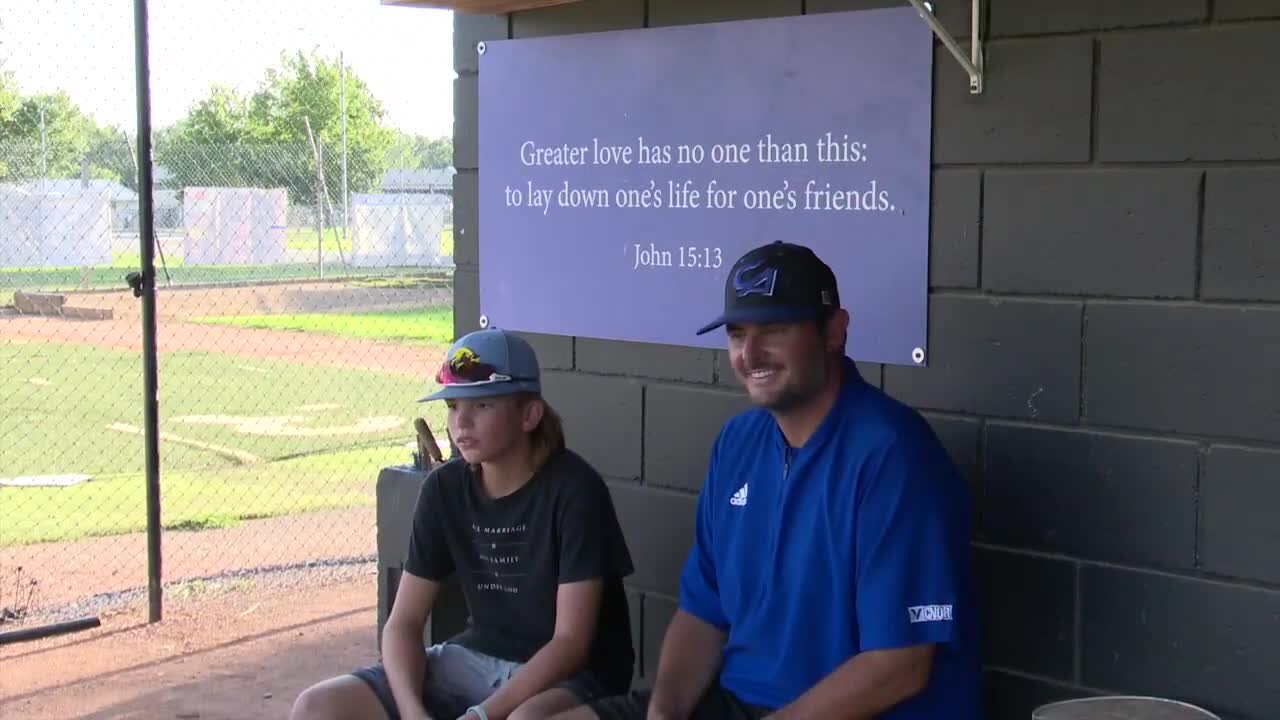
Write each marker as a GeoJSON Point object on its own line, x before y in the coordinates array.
{"type": "Point", "coordinates": [774, 314]}
{"type": "Point", "coordinates": [467, 392]}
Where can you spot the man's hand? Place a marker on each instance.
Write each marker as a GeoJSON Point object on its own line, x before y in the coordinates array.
{"type": "Point", "coordinates": [865, 686]}
{"type": "Point", "coordinates": [690, 659]}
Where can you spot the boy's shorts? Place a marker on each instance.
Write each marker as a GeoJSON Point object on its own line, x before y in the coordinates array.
{"type": "Point", "coordinates": [458, 678]}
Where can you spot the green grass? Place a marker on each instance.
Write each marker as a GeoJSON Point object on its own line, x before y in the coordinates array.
{"type": "Point", "coordinates": [107, 277]}
{"type": "Point", "coordinates": [194, 500]}
{"type": "Point", "coordinates": [305, 239]}
{"type": "Point", "coordinates": [173, 270]}
{"type": "Point", "coordinates": [430, 325]}
{"type": "Point", "coordinates": [446, 241]}
{"type": "Point", "coordinates": [62, 427]}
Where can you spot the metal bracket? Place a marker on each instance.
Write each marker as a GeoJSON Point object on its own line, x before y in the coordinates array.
{"type": "Point", "coordinates": [135, 281]}
{"type": "Point", "coordinates": [973, 65]}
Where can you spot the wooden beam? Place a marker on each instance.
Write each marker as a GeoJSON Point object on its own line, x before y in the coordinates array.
{"type": "Point", "coordinates": [480, 7]}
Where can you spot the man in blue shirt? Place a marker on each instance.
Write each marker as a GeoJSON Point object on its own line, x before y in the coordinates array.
{"type": "Point", "coordinates": [830, 576]}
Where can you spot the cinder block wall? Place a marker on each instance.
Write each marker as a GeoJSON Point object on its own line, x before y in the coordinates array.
{"type": "Point", "coordinates": [1105, 349]}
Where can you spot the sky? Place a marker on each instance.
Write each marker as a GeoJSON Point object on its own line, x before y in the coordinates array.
{"type": "Point", "coordinates": [86, 48]}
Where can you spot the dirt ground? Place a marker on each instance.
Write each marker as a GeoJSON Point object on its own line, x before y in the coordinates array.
{"type": "Point", "coordinates": [174, 334]}
{"type": "Point", "coordinates": [245, 654]}
{"type": "Point", "coordinates": [118, 563]}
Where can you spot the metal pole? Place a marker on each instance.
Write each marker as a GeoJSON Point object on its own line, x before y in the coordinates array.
{"type": "Point", "coordinates": [44, 153]}
{"type": "Point", "coordinates": [44, 631]}
{"type": "Point", "coordinates": [926, 11]}
{"type": "Point", "coordinates": [342, 90]}
{"type": "Point", "coordinates": [150, 379]}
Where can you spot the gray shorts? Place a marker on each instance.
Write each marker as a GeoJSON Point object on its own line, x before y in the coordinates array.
{"type": "Point", "coordinates": [458, 678]}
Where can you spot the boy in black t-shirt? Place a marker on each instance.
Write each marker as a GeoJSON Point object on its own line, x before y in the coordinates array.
{"type": "Point", "coordinates": [529, 527]}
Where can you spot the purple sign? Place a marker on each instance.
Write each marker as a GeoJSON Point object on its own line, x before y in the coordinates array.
{"type": "Point", "coordinates": [622, 173]}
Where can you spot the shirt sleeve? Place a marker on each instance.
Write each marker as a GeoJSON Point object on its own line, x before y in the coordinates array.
{"type": "Point", "coordinates": [912, 537]}
{"type": "Point", "coordinates": [591, 541]}
{"type": "Point", "coordinates": [699, 588]}
{"type": "Point", "coordinates": [429, 555]}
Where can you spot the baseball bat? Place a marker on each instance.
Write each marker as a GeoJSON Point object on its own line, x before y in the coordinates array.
{"type": "Point", "coordinates": [427, 442]}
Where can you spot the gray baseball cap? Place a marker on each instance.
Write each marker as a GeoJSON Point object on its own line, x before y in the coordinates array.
{"type": "Point", "coordinates": [487, 363]}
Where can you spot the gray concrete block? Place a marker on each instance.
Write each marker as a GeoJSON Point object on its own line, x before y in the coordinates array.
{"type": "Point", "coordinates": [1093, 496]}
{"type": "Point", "coordinates": [1041, 17]}
{"type": "Point", "coordinates": [1200, 641]}
{"type": "Point", "coordinates": [649, 360]}
{"type": "Point", "coordinates": [680, 426]}
{"type": "Point", "coordinates": [1184, 368]}
{"type": "Point", "coordinates": [658, 525]}
{"type": "Point", "coordinates": [955, 228]}
{"type": "Point", "coordinates": [468, 30]}
{"type": "Point", "coordinates": [1189, 95]}
{"type": "Point", "coordinates": [466, 122]}
{"type": "Point", "coordinates": [1245, 9]}
{"type": "Point", "coordinates": [1035, 106]}
{"type": "Point", "coordinates": [555, 352]}
{"type": "Point", "coordinates": [955, 16]}
{"type": "Point", "coordinates": [1241, 222]}
{"type": "Point", "coordinates": [1238, 529]}
{"type": "Point", "coordinates": [601, 418]}
{"type": "Point", "coordinates": [960, 436]}
{"type": "Point", "coordinates": [466, 219]}
{"type": "Point", "coordinates": [1045, 231]}
{"type": "Point", "coordinates": [1002, 358]}
{"type": "Point", "coordinates": [581, 17]}
{"type": "Point", "coordinates": [684, 12]}
{"type": "Point", "coordinates": [1009, 695]}
{"type": "Point", "coordinates": [466, 301]}
{"type": "Point", "coordinates": [1028, 612]}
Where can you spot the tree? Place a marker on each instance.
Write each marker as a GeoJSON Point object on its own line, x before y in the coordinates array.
{"type": "Point", "coordinates": [414, 152]}
{"type": "Point", "coordinates": [47, 136]}
{"type": "Point", "coordinates": [262, 140]}
{"type": "Point", "coordinates": [220, 119]}
{"type": "Point", "coordinates": [216, 144]}
{"type": "Point", "coordinates": [9, 98]}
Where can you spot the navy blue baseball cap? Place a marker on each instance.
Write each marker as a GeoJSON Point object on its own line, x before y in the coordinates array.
{"type": "Point", "coordinates": [777, 283]}
{"type": "Point", "coordinates": [487, 363]}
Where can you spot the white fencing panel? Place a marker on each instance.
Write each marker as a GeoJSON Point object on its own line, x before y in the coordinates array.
{"type": "Point", "coordinates": [63, 227]}
{"type": "Point", "coordinates": [398, 230]}
{"type": "Point", "coordinates": [234, 226]}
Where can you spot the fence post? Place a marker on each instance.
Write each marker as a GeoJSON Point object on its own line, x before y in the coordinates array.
{"type": "Point", "coordinates": [319, 188]}
{"type": "Point", "coordinates": [146, 288]}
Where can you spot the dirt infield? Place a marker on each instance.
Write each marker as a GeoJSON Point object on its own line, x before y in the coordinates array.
{"type": "Point", "coordinates": [308, 349]}
{"type": "Point", "coordinates": [175, 307]}
{"type": "Point", "coordinates": [242, 655]}
{"type": "Point", "coordinates": [116, 564]}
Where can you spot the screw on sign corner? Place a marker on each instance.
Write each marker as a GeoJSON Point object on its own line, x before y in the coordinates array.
{"type": "Point", "coordinates": [484, 321]}
{"type": "Point", "coordinates": [917, 356]}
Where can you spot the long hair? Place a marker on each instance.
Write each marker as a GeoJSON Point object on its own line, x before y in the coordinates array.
{"type": "Point", "coordinates": [547, 438]}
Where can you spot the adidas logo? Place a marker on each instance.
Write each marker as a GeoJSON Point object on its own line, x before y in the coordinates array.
{"type": "Point", "coordinates": [739, 498]}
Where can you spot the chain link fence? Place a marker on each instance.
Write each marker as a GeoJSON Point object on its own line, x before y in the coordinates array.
{"type": "Point", "coordinates": [303, 258]}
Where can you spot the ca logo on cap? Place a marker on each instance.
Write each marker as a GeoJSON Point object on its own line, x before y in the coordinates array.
{"type": "Point", "coordinates": [755, 279]}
